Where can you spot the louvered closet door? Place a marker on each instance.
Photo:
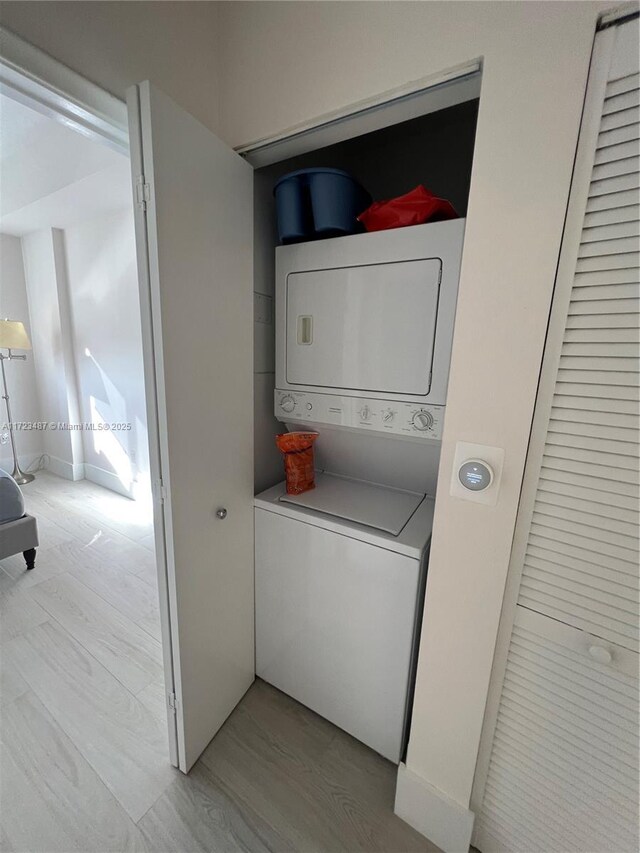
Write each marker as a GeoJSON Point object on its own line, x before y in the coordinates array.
{"type": "Point", "coordinates": [558, 768]}
{"type": "Point", "coordinates": [563, 771]}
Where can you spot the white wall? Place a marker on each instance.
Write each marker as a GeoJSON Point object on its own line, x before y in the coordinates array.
{"type": "Point", "coordinates": [21, 378]}
{"type": "Point", "coordinates": [85, 319]}
{"type": "Point", "coordinates": [52, 340]}
{"type": "Point", "coordinates": [103, 290]}
{"type": "Point", "coordinates": [117, 44]}
{"type": "Point", "coordinates": [286, 63]}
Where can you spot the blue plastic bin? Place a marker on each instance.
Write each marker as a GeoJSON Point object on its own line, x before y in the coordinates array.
{"type": "Point", "coordinates": [315, 203]}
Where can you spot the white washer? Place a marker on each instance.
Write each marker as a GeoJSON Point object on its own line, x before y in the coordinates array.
{"type": "Point", "coordinates": [340, 577]}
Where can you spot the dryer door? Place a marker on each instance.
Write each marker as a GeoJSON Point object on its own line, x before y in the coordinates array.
{"type": "Point", "coordinates": [366, 328]}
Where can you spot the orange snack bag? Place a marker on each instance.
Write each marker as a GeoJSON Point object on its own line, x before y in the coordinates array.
{"type": "Point", "coordinates": [297, 448]}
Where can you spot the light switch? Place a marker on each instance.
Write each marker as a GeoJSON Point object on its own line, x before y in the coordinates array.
{"type": "Point", "coordinates": [476, 473]}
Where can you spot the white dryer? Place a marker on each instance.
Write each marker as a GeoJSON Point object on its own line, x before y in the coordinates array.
{"type": "Point", "coordinates": [340, 575]}
{"type": "Point", "coordinates": [364, 329]}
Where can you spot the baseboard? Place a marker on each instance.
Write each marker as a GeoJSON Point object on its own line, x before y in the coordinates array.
{"type": "Point", "coordinates": [106, 479]}
{"type": "Point", "coordinates": [439, 818]}
{"type": "Point", "coordinates": [61, 468]}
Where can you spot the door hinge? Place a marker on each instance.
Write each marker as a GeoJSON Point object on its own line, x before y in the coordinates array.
{"type": "Point", "coordinates": [160, 490]}
{"type": "Point", "coordinates": [143, 192]}
{"type": "Point", "coordinates": [172, 702]}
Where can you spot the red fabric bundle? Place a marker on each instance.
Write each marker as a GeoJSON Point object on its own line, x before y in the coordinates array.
{"type": "Point", "coordinates": [297, 448]}
{"type": "Point", "coordinates": [413, 208]}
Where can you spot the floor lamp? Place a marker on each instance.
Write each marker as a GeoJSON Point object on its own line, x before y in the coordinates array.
{"type": "Point", "coordinates": [13, 335]}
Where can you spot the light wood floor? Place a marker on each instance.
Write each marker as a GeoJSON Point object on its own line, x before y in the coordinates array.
{"type": "Point", "coordinates": [84, 756]}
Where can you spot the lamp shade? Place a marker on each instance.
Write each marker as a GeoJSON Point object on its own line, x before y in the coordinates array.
{"type": "Point", "coordinates": [13, 335]}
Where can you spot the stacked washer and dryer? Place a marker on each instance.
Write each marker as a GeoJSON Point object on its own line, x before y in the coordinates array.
{"type": "Point", "coordinates": [364, 327]}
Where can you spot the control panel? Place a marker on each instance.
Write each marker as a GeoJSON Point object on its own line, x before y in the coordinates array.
{"type": "Point", "coordinates": [402, 419]}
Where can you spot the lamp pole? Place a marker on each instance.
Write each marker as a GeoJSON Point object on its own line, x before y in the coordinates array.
{"type": "Point", "coordinates": [19, 476]}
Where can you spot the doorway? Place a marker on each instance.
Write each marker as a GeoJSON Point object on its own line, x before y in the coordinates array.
{"type": "Point", "coordinates": [84, 622]}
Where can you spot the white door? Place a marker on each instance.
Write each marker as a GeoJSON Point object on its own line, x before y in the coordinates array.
{"type": "Point", "coordinates": [194, 230]}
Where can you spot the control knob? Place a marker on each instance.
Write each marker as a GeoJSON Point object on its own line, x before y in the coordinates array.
{"type": "Point", "coordinates": [387, 416]}
{"type": "Point", "coordinates": [422, 420]}
{"type": "Point", "coordinates": [365, 413]}
{"type": "Point", "coordinates": [287, 404]}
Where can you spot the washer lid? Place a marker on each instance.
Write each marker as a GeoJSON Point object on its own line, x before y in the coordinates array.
{"type": "Point", "coordinates": [380, 507]}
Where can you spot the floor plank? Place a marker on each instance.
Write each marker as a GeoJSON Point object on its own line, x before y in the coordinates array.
{"type": "Point", "coordinates": [18, 612]}
{"type": "Point", "coordinates": [69, 807]}
{"type": "Point", "coordinates": [104, 550]}
{"type": "Point", "coordinates": [195, 815]}
{"type": "Point", "coordinates": [72, 516]}
{"type": "Point", "coordinates": [322, 790]}
{"type": "Point", "coordinates": [116, 734]}
{"type": "Point", "coordinates": [128, 593]}
{"type": "Point", "coordinates": [85, 526]}
{"type": "Point", "coordinates": [12, 684]}
{"type": "Point", "coordinates": [142, 562]}
{"type": "Point", "coordinates": [128, 652]}
{"type": "Point", "coordinates": [154, 698]}
{"type": "Point", "coordinates": [55, 560]}
{"type": "Point", "coordinates": [126, 517]}
{"type": "Point", "coordinates": [148, 542]}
